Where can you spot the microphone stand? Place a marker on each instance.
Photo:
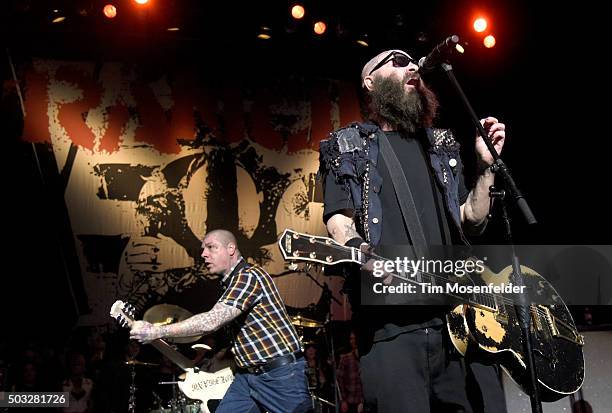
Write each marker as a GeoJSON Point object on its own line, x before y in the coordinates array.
{"type": "Point", "coordinates": [521, 304]}
{"type": "Point", "coordinates": [498, 165]}
{"type": "Point", "coordinates": [327, 299]}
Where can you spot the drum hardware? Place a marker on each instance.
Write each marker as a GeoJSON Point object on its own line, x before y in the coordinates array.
{"type": "Point", "coordinates": [300, 321]}
{"type": "Point", "coordinates": [132, 399]}
{"type": "Point", "coordinates": [179, 402]}
{"type": "Point", "coordinates": [140, 363]}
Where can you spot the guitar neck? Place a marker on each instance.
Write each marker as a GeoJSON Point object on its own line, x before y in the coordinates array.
{"type": "Point", "coordinates": [326, 251]}
{"type": "Point", "coordinates": [176, 357]}
{"type": "Point", "coordinates": [161, 345]}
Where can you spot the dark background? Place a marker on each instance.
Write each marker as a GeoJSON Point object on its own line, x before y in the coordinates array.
{"type": "Point", "coordinates": [546, 79]}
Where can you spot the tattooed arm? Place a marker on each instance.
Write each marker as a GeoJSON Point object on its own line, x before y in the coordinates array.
{"type": "Point", "coordinates": [203, 323]}
{"type": "Point", "coordinates": [341, 228]}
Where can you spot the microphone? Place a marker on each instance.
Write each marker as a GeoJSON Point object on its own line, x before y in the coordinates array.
{"type": "Point", "coordinates": [439, 54]}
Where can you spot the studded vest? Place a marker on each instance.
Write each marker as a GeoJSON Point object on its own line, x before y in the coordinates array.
{"type": "Point", "coordinates": [351, 155]}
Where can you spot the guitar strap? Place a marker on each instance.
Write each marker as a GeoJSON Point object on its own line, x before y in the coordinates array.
{"type": "Point", "coordinates": [404, 196]}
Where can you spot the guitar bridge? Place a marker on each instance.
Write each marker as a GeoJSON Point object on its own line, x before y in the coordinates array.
{"type": "Point", "coordinates": [535, 316]}
{"type": "Point", "coordinates": [560, 329]}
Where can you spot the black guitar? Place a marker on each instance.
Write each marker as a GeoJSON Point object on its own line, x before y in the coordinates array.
{"type": "Point", "coordinates": [484, 326]}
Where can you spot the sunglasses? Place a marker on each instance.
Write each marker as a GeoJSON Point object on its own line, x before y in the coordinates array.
{"type": "Point", "coordinates": [398, 59]}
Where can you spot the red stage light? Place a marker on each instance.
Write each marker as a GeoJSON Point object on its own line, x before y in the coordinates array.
{"type": "Point", "coordinates": [480, 24]}
{"type": "Point", "coordinates": [489, 41]}
{"type": "Point", "coordinates": [110, 11]}
{"type": "Point", "coordinates": [320, 27]}
{"type": "Point", "coordinates": [141, 1]}
{"type": "Point", "coordinates": [298, 11]}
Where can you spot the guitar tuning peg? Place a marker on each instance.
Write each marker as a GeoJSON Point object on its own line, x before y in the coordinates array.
{"type": "Point", "coordinates": [293, 266]}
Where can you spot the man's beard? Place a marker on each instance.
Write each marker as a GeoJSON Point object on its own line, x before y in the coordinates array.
{"type": "Point", "coordinates": [406, 110]}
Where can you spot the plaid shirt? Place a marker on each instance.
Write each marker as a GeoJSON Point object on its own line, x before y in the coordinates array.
{"type": "Point", "coordinates": [264, 330]}
{"type": "Point", "coordinates": [349, 379]}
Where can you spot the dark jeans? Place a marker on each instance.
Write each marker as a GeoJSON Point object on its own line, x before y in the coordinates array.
{"type": "Point", "coordinates": [419, 372]}
{"type": "Point", "coordinates": [282, 390]}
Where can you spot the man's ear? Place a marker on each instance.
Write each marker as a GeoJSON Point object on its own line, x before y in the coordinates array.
{"type": "Point", "coordinates": [231, 248]}
{"type": "Point", "coordinates": [368, 82]}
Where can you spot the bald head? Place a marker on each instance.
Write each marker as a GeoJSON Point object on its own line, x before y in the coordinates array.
{"type": "Point", "coordinates": [373, 62]}
{"type": "Point", "coordinates": [220, 251]}
{"type": "Point", "coordinates": [223, 236]}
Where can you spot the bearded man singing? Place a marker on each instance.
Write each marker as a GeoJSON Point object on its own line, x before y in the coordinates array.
{"type": "Point", "coordinates": [408, 363]}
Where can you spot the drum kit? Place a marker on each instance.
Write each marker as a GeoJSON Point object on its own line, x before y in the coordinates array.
{"type": "Point", "coordinates": [163, 314]}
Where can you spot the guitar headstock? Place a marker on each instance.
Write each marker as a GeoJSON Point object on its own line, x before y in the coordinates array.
{"type": "Point", "coordinates": [123, 313]}
{"type": "Point", "coordinates": [305, 247]}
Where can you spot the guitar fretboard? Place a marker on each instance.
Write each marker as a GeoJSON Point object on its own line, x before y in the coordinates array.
{"type": "Point", "coordinates": [168, 351]}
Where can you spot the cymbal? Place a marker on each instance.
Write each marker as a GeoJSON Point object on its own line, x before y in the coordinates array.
{"type": "Point", "coordinates": [140, 363]}
{"type": "Point", "coordinates": [300, 321]}
{"type": "Point", "coordinates": [163, 314]}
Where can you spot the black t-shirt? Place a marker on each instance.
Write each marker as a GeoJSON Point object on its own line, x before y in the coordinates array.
{"type": "Point", "coordinates": [389, 321]}
{"type": "Point", "coordinates": [427, 194]}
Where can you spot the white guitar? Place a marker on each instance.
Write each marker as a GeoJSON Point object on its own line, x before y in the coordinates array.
{"type": "Point", "coordinates": [198, 385]}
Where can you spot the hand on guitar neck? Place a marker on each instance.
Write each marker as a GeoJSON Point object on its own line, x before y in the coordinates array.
{"type": "Point", "coordinates": [374, 267]}
{"type": "Point", "coordinates": [146, 332]}
{"type": "Point", "coordinates": [372, 264]}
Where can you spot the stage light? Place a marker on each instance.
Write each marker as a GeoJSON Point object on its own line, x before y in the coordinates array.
{"type": "Point", "coordinates": [319, 27]}
{"type": "Point", "coordinates": [480, 24]}
{"type": "Point", "coordinates": [298, 11]}
{"type": "Point", "coordinates": [489, 41]}
{"type": "Point", "coordinates": [58, 19]}
{"type": "Point", "coordinates": [363, 41]}
{"type": "Point", "coordinates": [264, 33]}
{"type": "Point", "coordinates": [110, 11]}
{"type": "Point", "coordinates": [141, 1]}
{"type": "Point", "coordinates": [173, 29]}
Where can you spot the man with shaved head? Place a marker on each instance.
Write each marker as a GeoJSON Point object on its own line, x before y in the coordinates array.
{"type": "Point", "coordinates": [271, 375]}
{"type": "Point", "coordinates": [397, 182]}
